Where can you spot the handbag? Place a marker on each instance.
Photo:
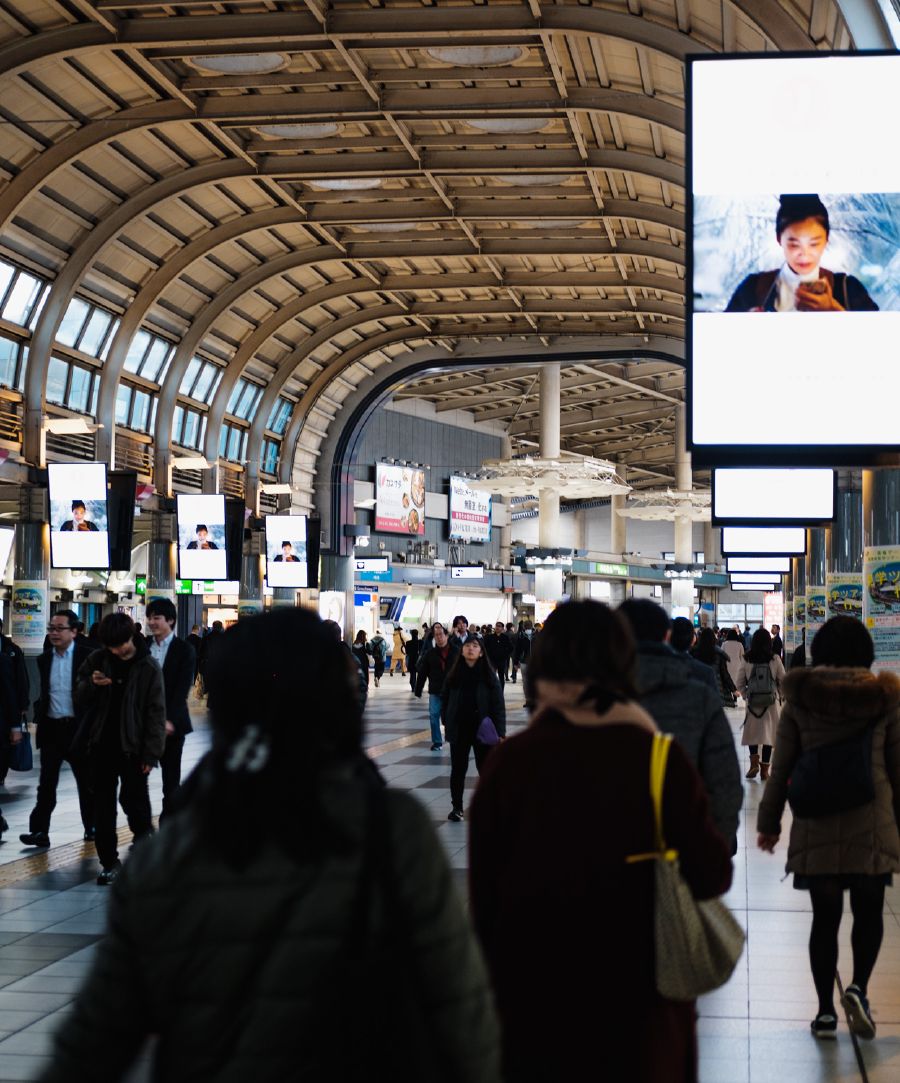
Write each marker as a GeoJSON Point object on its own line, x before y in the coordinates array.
{"type": "Point", "coordinates": [698, 942]}
{"type": "Point", "coordinates": [833, 778]}
{"type": "Point", "coordinates": [487, 734]}
{"type": "Point", "coordinates": [21, 757]}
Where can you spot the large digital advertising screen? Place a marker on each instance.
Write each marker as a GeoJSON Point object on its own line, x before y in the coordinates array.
{"type": "Point", "coordinates": [773, 495]}
{"type": "Point", "coordinates": [399, 499]}
{"type": "Point", "coordinates": [766, 565]}
{"type": "Point", "coordinates": [759, 540]}
{"type": "Point", "coordinates": [794, 258]}
{"type": "Point", "coordinates": [470, 512]}
{"type": "Point", "coordinates": [286, 553]}
{"type": "Point", "coordinates": [79, 515]}
{"type": "Point", "coordinates": [201, 537]}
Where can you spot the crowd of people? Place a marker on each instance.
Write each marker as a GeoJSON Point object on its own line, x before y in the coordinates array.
{"type": "Point", "coordinates": [289, 886]}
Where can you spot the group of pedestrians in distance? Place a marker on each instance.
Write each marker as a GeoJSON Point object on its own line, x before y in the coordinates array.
{"type": "Point", "coordinates": [113, 713]}
{"type": "Point", "coordinates": [252, 955]}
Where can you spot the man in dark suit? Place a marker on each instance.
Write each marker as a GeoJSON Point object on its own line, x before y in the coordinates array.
{"type": "Point", "coordinates": [178, 663]}
{"type": "Point", "coordinates": [57, 721]}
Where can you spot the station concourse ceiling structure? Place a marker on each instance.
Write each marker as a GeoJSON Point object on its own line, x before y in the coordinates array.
{"type": "Point", "coordinates": [304, 194]}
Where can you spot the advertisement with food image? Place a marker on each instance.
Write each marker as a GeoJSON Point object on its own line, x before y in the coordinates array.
{"type": "Point", "coordinates": [400, 499]}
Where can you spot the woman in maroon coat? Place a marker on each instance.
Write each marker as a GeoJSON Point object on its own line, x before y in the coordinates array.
{"type": "Point", "coordinates": [565, 922]}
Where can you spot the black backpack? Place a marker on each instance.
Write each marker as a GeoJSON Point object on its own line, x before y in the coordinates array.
{"type": "Point", "coordinates": [833, 778]}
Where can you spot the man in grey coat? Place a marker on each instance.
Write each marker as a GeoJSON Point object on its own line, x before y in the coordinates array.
{"type": "Point", "coordinates": [688, 708]}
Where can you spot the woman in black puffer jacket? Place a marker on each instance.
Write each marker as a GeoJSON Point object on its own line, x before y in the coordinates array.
{"type": "Point", "coordinates": [294, 920]}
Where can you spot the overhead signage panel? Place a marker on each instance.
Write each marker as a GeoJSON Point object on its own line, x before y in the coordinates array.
{"type": "Point", "coordinates": [758, 540]}
{"type": "Point", "coordinates": [773, 496]}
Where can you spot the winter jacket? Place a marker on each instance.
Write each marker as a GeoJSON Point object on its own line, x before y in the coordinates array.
{"type": "Point", "coordinates": [42, 703]}
{"type": "Point", "coordinates": [143, 717]}
{"type": "Point", "coordinates": [432, 669]}
{"type": "Point", "coordinates": [490, 702]}
{"type": "Point", "coordinates": [522, 649]}
{"type": "Point", "coordinates": [761, 730]}
{"type": "Point", "coordinates": [227, 964]}
{"type": "Point", "coordinates": [691, 711]}
{"type": "Point", "coordinates": [824, 705]}
{"type": "Point", "coordinates": [499, 649]}
{"type": "Point", "coordinates": [17, 688]}
{"type": "Point", "coordinates": [179, 670]}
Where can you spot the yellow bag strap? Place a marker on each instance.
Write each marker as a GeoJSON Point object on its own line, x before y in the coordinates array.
{"type": "Point", "coordinates": [659, 758]}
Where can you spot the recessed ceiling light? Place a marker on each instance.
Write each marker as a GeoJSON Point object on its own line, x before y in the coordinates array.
{"type": "Point", "coordinates": [527, 180]}
{"type": "Point", "coordinates": [298, 131]}
{"type": "Point", "coordinates": [347, 184]}
{"type": "Point", "coordinates": [241, 63]}
{"type": "Point", "coordinates": [476, 56]}
{"type": "Point", "coordinates": [509, 125]}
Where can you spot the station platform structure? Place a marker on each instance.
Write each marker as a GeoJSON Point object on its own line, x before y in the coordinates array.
{"type": "Point", "coordinates": [753, 1030]}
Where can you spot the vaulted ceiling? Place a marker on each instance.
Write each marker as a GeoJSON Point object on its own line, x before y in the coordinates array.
{"type": "Point", "coordinates": [306, 192]}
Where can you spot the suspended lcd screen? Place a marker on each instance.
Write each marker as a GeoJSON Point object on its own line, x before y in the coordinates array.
{"type": "Point", "coordinates": [79, 515]}
{"type": "Point", "coordinates": [765, 565]}
{"type": "Point", "coordinates": [757, 540]}
{"type": "Point", "coordinates": [201, 537]}
{"type": "Point", "coordinates": [286, 556]}
{"type": "Point", "coordinates": [773, 495]}
{"type": "Point", "coordinates": [763, 587]}
{"type": "Point", "coordinates": [793, 235]}
{"type": "Point", "coordinates": [752, 577]}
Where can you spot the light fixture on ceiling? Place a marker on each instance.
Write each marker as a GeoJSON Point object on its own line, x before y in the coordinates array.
{"type": "Point", "coordinates": [528, 180]}
{"type": "Point", "coordinates": [549, 223]}
{"type": "Point", "coordinates": [347, 184]}
{"type": "Point", "coordinates": [476, 56]}
{"type": "Point", "coordinates": [299, 131]}
{"type": "Point", "coordinates": [240, 63]}
{"type": "Point", "coordinates": [509, 125]}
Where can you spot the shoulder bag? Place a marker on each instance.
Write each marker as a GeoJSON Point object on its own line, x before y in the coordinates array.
{"type": "Point", "coordinates": [698, 942]}
{"type": "Point", "coordinates": [21, 757]}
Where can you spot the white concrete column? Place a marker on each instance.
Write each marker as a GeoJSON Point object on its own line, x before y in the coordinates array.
{"type": "Point", "coordinates": [506, 531]}
{"type": "Point", "coordinates": [618, 524]}
{"type": "Point", "coordinates": [548, 514]}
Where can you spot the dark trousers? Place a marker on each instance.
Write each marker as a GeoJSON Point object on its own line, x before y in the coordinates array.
{"type": "Point", "coordinates": [56, 739]}
{"type": "Point", "coordinates": [503, 668]}
{"type": "Point", "coordinates": [766, 752]}
{"type": "Point", "coordinates": [412, 675]}
{"type": "Point", "coordinates": [171, 771]}
{"type": "Point", "coordinates": [108, 768]}
{"type": "Point", "coordinates": [459, 765]}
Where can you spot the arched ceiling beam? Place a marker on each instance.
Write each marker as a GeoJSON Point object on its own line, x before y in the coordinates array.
{"type": "Point", "coordinates": [348, 357]}
{"type": "Point", "coordinates": [331, 499]}
{"type": "Point", "coordinates": [147, 296]}
{"type": "Point", "coordinates": [63, 288]}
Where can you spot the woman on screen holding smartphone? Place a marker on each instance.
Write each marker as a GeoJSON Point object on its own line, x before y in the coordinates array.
{"type": "Point", "coordinates": [801, 284]}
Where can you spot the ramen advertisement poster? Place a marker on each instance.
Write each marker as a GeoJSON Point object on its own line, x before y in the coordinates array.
{"type": "Point", "coordinates": [400, 499]}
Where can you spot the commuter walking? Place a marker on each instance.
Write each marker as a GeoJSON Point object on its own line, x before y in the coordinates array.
{"type": "Point", "coordinates": [377, 647]}
{"type": "Point", "coordinates": [734, 653]}
{"type": "Point", "coordinates": [195, 641]}
{"type": "Point", "coordinates": [58, 719]}
{"type": "Point", "coordinates": [398, 654]}
{"type": "Point", "coordinates": [207, 649]}
{"type": "Point", "coordinates": [707, 651]}
{"type": "Point", "coordinates": [459, 630]}
{"type": "Point", "coordinates": [303, 953]}
{"type": "Point", "coordinates": [687, 708]}
{"type": "Point", "coordinates": [12, 659]}
{"type": "Point", "coordinates": [499, 650]}
{"type": "Point", "coordinates": [412, 656]}
{"type": "Point", "coordinates": [11, 719]}
{"type": "Point", "coordinates": [837, 704]}
{"type": "Point", "coordinates": [522, 649]}
{"type": "Point", "coordinates": [759, 682]}
{"type": "Point", "coordinates": [178, 663]}
{"type": "Point", "coordinates": [120, 690]}
{"type": "Point", "coordinates": [361, 654]}
{"type": "Point", "coordinates": [471, 693]}
{"type": "Point", "coordinates": [777, 641]}
{"type": "Point", "coordinates": [433, 667]}
{"type": "Point", "coordinates": [565, 920]}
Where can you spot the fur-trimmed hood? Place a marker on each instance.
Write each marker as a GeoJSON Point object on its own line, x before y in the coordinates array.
{"type": "Point", "coordinates": [842, 694]}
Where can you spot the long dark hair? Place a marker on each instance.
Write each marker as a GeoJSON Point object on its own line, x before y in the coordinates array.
{"type": "Point", "coordinates": [482, 669]}
{"type": "Point", "coordinates": [283, 699]}
{"type": "Point", "coordinates": [760, 647]}
{"type": "Point", "coordinates": [707, 647]}
{"type": "Point", "coordinates": [590, 643]}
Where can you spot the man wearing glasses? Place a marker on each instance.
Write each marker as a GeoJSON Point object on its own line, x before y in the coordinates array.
{"type": "Point", "coordinates": [57, 721]}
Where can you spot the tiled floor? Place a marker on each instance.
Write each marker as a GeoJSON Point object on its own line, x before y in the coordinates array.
{"type": "Point", "coordinates": [753, 1030]}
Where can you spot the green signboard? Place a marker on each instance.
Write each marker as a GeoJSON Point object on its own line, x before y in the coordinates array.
{"type": "Point", "coordinates": [140, 584]}
{"type": "Point", "coordinates": [610, 569]}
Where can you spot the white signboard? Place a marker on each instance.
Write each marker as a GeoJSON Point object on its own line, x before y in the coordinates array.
{"type": "Point", "coordinates": [470, 512]}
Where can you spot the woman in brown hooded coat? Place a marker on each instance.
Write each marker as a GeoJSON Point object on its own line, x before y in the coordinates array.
{"type": "Point", "coordinates": [857, 850]}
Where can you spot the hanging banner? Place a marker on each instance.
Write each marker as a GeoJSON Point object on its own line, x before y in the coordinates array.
{"type": "Point", "coordinates": [816, 609]}
{"type": "Point", "coordinates": [845, 594]}
{"type": "Point", "coordinates": [470, 512]}
{"type": "Point", "coordinates": [881, 603]}
{"type": "Point", "coordinates": [400, 499]}
{"type": "Point", "coordinates": [30, 613]}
